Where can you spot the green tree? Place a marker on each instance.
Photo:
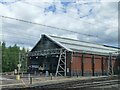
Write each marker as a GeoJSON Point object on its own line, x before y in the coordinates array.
{"type": "Point", "coordinates": [23, 60]}
{"type": "Point", "coordinates": [11, 56]}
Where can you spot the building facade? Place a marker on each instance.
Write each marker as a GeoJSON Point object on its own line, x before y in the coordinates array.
{"type": "Point", "coordinates": [68, 57]}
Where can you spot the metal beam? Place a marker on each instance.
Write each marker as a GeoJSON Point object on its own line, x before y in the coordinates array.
{"type": "Point", "coordinates": [93, 66]}
{"type": "Point", "coordinates": [61, 67]}
{"type": "Point", "coordinates": [82, 66]}
{"type": "Point", "coordinates": [45, 52]}
{"type": "Point", "coordinates": [102, 66]}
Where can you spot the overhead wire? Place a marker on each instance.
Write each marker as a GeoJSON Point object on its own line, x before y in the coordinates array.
{"type": "Point", "coordinates": [93, 24]}
{"type": "Point", "coordinates": [63, 29]}
{"type": "Point", "coordinates": [62, 13]}
{"type": "Point", "coordinates": [60, 7]}
{"type": "Point", "coordinates": [20, 32]}
{"type": "Point", "coordinates": [51, 27]}
{"type": "Point", "coordinates": [69, 14]}
{"type": "Point", "coordinates": [47, 26]}
{"type": "Point", "coordinates": [77, 19]}
{"type": "Point", "coordinates": [83, 3]}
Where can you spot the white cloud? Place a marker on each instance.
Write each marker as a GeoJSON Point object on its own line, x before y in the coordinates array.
{"type": "Point", "coordinates": [102, 22]}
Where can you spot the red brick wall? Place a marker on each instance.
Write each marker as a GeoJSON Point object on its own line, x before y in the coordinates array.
{"type": "Point", "coordinates": [114, 66]}
{"type": "Point", "coordinates": [105, 64]}
{"type": "Point", "coordinates": [76, 64]}
{"type": "Point", "coordinates": [98, 64]}
{"type": "Point", "coordinates": [87, 63]}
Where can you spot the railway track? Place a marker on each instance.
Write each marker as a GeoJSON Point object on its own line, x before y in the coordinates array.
{"type": "Point", "coordinates": [84, 84]}
{"type": "Point", "coordinates": [76, 84]}
{"type": "Point", "coordinates": [95, 84]}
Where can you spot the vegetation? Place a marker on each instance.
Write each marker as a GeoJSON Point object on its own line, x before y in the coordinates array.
{"type": "Point", "coordinates": [11, 56]}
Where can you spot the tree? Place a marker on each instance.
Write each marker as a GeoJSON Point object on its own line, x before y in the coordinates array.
{"type": "Point", "coordinates": [23, 60]}
{"type": "Point", "coordinates": [10, 57]}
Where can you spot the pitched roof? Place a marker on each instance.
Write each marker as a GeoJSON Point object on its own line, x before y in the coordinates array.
{"type": "Point", "coordinates": [76, 45]}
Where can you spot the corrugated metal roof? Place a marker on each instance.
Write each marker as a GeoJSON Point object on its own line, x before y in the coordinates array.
{"type": "Point", "coordinates": [76, 45]}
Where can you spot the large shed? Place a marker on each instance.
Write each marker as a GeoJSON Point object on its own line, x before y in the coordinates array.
{"type": "Point", "coordinates": [68, 57]}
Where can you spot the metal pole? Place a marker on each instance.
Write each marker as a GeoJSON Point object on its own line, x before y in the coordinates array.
{"type": "Point", "coordinates": [1, 58]}
{"type": "Point", "coordinates": [30, 80]}
{"type": "Point", "coordinates": [71, 67]}
{"type": "Point", "coordinates": [102, 66]}
{"type": "Point", "coordinates": [110, 64]}
{"type": "Point", "coordinates": [29, 76]}
{"type": "Point", "coordinates": [19, 64]}
{"type": "Point", "coordinates": [51, 76]}
{"type": "Point", "coordinates": [82, 66]}
{"type": "Point", "coordinates": [65, 62]}
{"type": "Point", "coordinates": [93, 66]}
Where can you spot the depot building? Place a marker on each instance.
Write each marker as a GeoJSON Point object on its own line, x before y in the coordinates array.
{"type": "Point", "coordinates": [68, 57]}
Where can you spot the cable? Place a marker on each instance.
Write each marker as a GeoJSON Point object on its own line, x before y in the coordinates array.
{"type": "Point", "coordinates": [83, 3]}
{"type": "Point", "coordinates": [60, 7]}
{"type": "Point", "coordinates": [61, 13]}
{"type": "Point", "coordinates": [52, 27]}
{"type": "Point", "coordinates": [47, 26]}
{"type": "Point", "coordinates": [105, 26]}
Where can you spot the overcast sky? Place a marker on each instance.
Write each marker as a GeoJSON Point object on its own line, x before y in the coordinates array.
{"type": "Point", "coordinates": [96, 20]}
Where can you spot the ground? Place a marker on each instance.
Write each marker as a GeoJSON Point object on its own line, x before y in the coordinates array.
{"type": "Point", "coordinates": [10, 81]}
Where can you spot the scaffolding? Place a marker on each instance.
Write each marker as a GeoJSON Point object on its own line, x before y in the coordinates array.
{"type": "Point", "coordinates": [110, 67]}
{"type": "Point", "coordinates": [61, 67]}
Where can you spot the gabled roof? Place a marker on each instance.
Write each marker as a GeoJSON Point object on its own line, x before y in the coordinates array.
{"type": "Point", "coordinates": [57, 42]}
{"type": "Point", "coordinates": [76, 45]}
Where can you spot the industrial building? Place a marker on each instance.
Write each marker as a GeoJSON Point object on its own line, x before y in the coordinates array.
{"type": "Point", "coordinates": [68, 57]}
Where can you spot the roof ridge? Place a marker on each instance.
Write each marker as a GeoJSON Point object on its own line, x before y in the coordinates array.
{"type": "Point", "coordinates": [75, 40]}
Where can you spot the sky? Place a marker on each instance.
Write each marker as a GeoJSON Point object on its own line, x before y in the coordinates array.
{"type": "Point", "coordinates": [93, 21]}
